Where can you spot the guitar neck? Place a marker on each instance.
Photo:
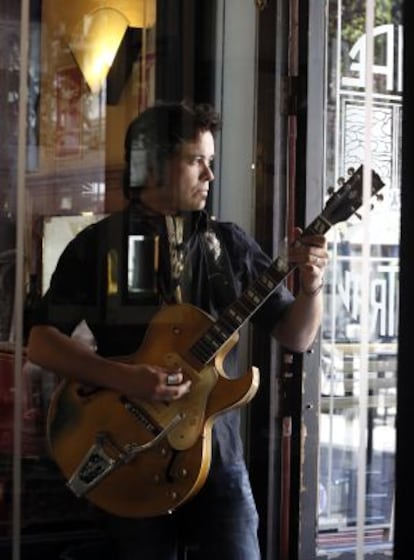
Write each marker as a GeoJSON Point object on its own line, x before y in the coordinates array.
{"type": "Point", "coordinates": [341, 205]}
{"type": "Point", "coordinates": [240, 311]}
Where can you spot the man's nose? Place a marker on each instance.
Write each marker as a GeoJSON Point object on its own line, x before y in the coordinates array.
{"type": "Point", "coordinates": [207, 173]}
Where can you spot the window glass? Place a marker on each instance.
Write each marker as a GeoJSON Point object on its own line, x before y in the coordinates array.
{"type": "Point", "coordinates": [91, 68]}
{"type": "Point", "coordinates": [343, 367]}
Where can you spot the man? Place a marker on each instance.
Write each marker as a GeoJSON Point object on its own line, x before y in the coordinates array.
{"type": "Point", "coordinates": [169, 153]}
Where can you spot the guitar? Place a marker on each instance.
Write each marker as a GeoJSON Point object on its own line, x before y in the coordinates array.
{"type": "Point", "coordinates": [137, 459]}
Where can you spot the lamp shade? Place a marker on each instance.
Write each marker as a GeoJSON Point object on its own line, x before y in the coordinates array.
{"type": "Point", "coordinates": [94, 43]}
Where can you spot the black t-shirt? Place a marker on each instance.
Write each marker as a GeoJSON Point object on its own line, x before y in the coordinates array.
{"type": "Point", "coordinates": [90, 284]}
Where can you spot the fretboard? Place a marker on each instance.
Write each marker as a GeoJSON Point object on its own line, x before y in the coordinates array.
{"type": "Point", "coordinates": [237, 313]}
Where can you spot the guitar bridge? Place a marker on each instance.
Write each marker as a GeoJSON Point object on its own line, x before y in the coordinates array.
{"type": "Point", "coordinates": [97, 463]}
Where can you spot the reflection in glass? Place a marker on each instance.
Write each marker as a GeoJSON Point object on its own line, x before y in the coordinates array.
{"type": "Point", "coordinates": [341, 369]}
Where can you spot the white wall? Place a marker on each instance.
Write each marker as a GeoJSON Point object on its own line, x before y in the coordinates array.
{"type": "Point", "coordinates": [233, 196]}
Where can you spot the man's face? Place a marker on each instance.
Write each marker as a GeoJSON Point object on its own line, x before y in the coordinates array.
{"type": "Point", "coordinates": [189, 173]}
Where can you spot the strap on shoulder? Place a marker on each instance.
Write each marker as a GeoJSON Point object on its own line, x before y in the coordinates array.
{"type": "Point", "coordinates": [220, 273]}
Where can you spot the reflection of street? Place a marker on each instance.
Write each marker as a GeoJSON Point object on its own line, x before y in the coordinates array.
{"type": "Point", "coordinates": [345, 372]}
{"type": "Point", "coordinates": [36, 389]}
{"type": "Point", "coordinates": [344, 289]}
{"type": "Point", "coordinates": [340, 436]}
{"type": "Point", "coordinates": [347, 433]}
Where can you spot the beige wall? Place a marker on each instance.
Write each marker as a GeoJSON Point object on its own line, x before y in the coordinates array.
{"type": "Point", "coordinates": [139, 13]}
{"type": "Point", "coordinates": [78, 131]}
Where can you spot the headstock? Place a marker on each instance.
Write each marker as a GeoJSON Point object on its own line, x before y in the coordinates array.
{"type": "Point", "coordinates": [348, 198]}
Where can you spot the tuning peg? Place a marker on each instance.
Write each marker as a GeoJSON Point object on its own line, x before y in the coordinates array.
{"type": "Point", "coordinates": [351, 171]}
{"type": "Point", "coordinates": [379, 197]}
{"type": "Point", "coordinates": [330, 190]}
{"type": "Point", "coordinates": [358, 215]}
{"type": "Point", "coordinates": [341, 181]}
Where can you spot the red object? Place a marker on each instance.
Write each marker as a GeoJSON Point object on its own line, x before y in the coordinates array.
{"type": "Point", "coordinates": [33, 417]}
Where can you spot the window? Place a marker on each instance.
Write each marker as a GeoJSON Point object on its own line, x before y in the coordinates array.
{"type": "Point", "coordinates": [358, 381]}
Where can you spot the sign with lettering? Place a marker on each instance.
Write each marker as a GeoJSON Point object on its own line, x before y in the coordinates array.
{"type": "Point", "coordinates": [345, 299]}
{"type": "Point", "coordinates": [388, 44]}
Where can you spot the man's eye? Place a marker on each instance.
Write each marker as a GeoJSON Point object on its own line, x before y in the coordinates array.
{"type": "Point", "coordinates": [199, 160]}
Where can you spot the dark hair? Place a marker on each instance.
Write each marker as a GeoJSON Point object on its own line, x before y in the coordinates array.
{"type": "Point", "coordinates": [158, 132]}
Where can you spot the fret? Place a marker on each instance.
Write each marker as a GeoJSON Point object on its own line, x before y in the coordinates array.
{"type": "Point", "coordinates": [275, 275]}
{"type": "Point", "coordinates": [230, 318]}
{"type": "Point", "coordinates": [320, 225]}
{"type": "Point", "coordinates": [205, 343]}
{"type": "Point", "coordinates": [247, 303]}
{"type": "Point", "coordinates": [211, 340]}
{"type": "Point", "coordinates": [242, 308]}
{"type": "Point", "coordinates": [269, 282]}
{"type": "Point", "coordinates": [202, 354]}
{"type": "Point", "coordinates": [214, 342]}
{"type": "Point", "coordinates": [219, 332]}
{"type": "Point", "coordinates": [236, 317]}
{"type": "Point", "coordinates": [206, 347]}
{"type": "Point", "coordinates": [253, 297]}
{"type": "Point", "coordinates": [265, 285]}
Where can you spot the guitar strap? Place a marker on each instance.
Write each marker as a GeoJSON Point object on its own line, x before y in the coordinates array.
{"type": "Point", "coordinates": [221, 285]}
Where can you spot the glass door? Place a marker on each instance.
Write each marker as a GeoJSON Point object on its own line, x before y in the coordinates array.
{"type": "Point", "coordinates": [359, 352]}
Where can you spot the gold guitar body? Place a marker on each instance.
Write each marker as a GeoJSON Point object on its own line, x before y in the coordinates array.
{"type": "Point", "coordinates": [138, 459]}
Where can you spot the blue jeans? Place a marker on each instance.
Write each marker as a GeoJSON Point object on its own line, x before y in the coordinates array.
{"type": "Point", "coordinates": [219, 523]}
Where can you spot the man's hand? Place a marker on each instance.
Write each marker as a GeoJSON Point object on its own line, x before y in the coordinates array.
{"type": "Point", "coordinates": [310, 255]}
{"type": "Point", "coordinates": [154, 383]}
